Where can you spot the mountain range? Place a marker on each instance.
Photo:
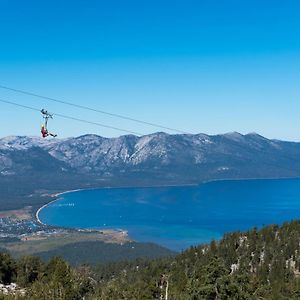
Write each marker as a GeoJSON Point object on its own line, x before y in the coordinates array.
{"type": "Point", "coordinates": [32, 163]}
{"type": "Point", "coordinates": [170, 157]}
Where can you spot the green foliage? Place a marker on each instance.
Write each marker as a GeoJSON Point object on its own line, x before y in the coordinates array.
{"type": "Point", "coordinates": [59, 281]}
{"type": "Point", "coordinates": [7, 268]}
{"type": "Point", "coordinates": [96, 252]}
{"type": "Point", "coordinates": [242, 266]}
{"type": "Point", "coordinates": [29, 268]}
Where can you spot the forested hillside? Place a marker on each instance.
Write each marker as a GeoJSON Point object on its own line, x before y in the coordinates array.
{"type": "Point", "coordinates": [260, 264]}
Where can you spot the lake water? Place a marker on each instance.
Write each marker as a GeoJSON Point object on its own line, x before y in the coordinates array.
{"type": "Point", "coordinates": [178, 217]}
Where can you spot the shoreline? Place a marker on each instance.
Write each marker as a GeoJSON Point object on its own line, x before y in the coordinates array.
{"type": "Point", "coordinates": [250, 179]}
{"type": "Point", "coordinates": [56, 195]}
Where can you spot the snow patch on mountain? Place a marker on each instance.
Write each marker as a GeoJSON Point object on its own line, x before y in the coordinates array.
{"type": "Point", "coordinates": [24, 142]}
{"type": "Point", "coordinates": [172, 154]}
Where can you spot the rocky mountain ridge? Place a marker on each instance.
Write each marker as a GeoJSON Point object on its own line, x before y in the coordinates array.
{"type": "Point", "coordinates": [31, 167]}
{"type": "Point", "coordinates": [199, 156]}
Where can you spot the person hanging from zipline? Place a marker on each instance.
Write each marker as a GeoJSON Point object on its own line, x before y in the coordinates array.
{"type": "Point", "coordinates": [44, 130]}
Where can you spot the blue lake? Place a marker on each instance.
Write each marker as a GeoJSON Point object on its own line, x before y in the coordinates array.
{"type": "Point", "coordinates": [178, 217]}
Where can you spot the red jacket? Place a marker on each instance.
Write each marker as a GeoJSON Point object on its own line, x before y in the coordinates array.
{"type": "Point", "coordinates": [44, 132]}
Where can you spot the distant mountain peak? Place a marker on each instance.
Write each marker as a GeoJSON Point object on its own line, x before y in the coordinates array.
{"type": "Point", "coordinates": [255, 134]}
{"type": "Point", "coordinates": [177, 157]}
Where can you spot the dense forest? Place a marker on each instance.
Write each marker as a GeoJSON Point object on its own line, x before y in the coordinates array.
{"type": "Point", "coordinates": [258, 264]}
{"type": "Point", "coordinates": [95, 252]}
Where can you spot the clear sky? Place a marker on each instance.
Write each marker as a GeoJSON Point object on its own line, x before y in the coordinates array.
{"type": "Point", "coordinates": [200, 66]}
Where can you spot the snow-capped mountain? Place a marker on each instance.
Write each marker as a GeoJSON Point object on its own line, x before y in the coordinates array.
{"type": "Point", "coordinates": [24, 142]}
{"type": "Point", "coordinates": [180, 157]}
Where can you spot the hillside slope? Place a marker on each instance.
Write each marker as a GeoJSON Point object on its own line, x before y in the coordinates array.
{"type": "Point", "coordinates": [254, 265]}
{"type": "Point", "coordinates": [28, 164]}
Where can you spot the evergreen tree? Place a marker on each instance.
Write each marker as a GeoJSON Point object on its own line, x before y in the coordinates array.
{"type": "Point", "coordinates": [7, 268]}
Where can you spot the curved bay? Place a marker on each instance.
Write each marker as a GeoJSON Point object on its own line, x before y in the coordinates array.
{"type": "Point", "coordinates": [178, 217]}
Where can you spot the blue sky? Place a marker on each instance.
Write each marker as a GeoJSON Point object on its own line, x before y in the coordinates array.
{"type": "Point", "coordinates": [199, 66]}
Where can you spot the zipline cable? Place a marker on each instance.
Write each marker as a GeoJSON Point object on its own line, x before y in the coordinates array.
{"type": "Point", "coordinates": [72, 118]}
{"type": "Point", "coordinates": [93, 109]}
